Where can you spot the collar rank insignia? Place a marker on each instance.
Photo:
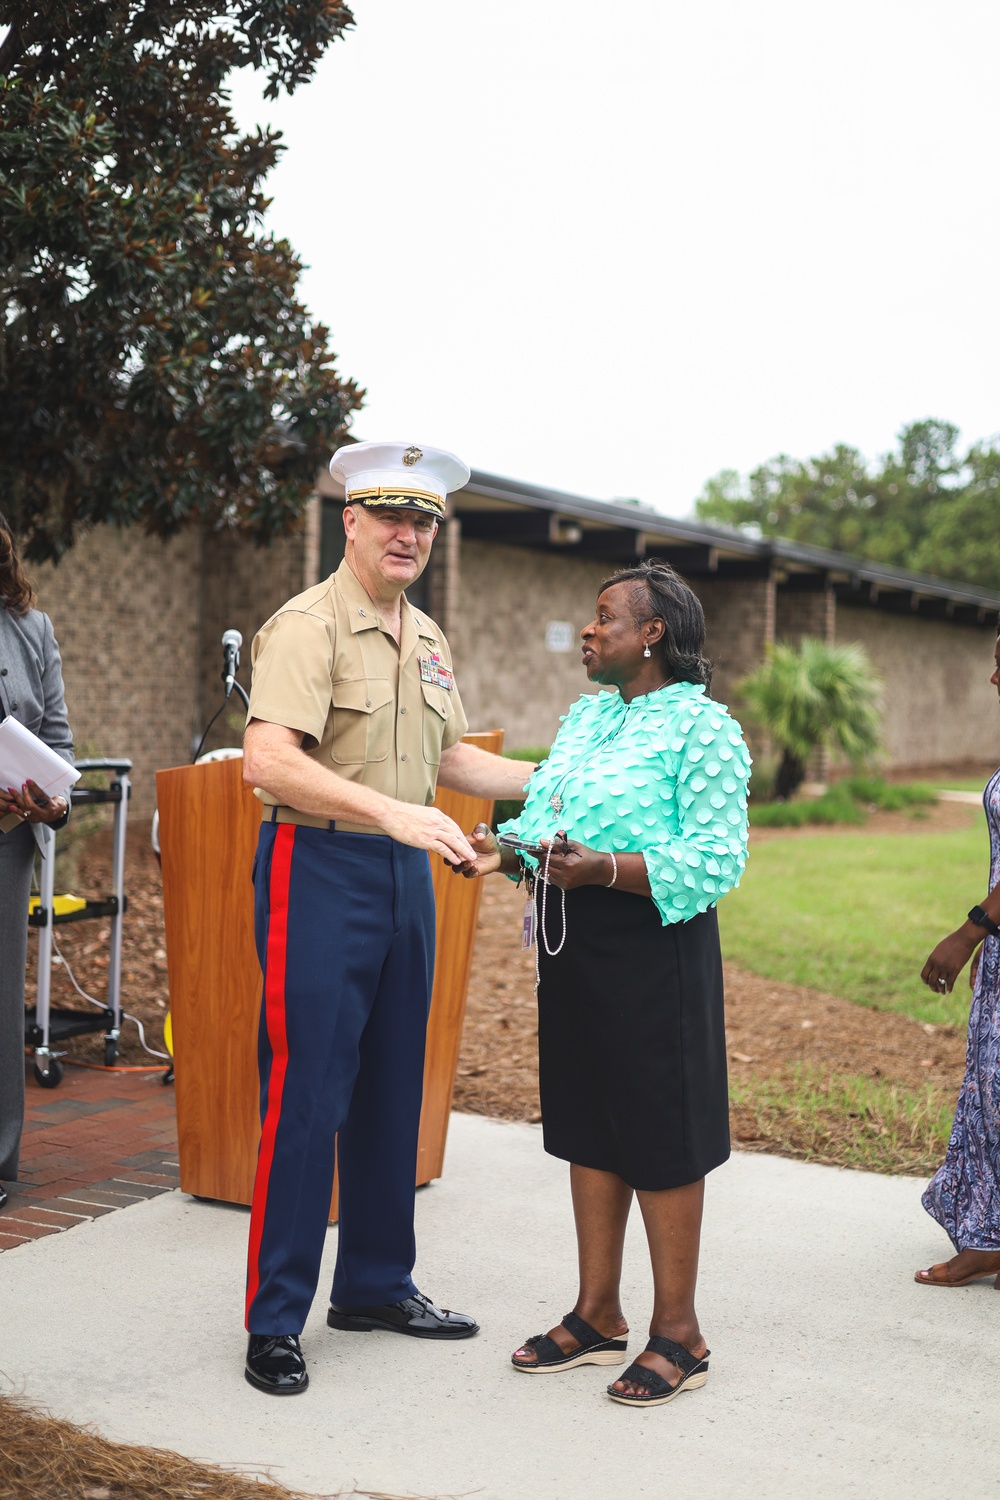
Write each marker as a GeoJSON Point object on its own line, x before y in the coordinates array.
{"type": "Point", "coordinates": [434, 671]}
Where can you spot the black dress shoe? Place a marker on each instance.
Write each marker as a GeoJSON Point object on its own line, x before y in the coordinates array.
{"type": "Point", "coordinates": [415, 1315]}
{"type": "Point", "coordinates": [3, 1196]}
{"type": "Point", "coordinates": [275, 1364]}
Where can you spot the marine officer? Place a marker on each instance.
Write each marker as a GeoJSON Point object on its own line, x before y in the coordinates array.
{"type": "Point", "coordinates": [354, 717]}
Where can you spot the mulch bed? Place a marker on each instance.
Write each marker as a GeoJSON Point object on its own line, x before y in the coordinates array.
{"type": "Point", "coordinates": [772, 1027]}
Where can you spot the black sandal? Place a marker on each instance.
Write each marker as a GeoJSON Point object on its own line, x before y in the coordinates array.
{"type": "Point", "coordinates": [594, 1349]}
{"type": "Point", "coordinates": [693, 1368]}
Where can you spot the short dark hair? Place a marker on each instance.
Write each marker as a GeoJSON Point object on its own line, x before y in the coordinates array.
{"type": "Point", "coordinates": [665, 596]}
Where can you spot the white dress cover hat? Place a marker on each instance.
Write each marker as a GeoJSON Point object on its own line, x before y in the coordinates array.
{"type": "Point", "coordinates": [398, 474]}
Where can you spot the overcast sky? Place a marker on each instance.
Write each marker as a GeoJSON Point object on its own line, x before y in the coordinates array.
{"type": "Point", "coordinates": [614, 248]}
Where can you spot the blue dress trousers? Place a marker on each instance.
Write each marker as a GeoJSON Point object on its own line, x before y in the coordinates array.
{"type": "Point", "coordinates": [345, 937]}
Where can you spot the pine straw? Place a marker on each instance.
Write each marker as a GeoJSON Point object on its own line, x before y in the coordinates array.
{"type": "Point", "coordinates": [43, 1458]}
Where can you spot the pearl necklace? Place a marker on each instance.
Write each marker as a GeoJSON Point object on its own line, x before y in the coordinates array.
{"type": "Point", "coordinates": [543, 878]}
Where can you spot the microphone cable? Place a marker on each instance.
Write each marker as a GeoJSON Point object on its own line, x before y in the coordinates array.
{"type": "Point", "coordinates": [64, 961]}
{"type": "Point", "coordinates": [231, 643]}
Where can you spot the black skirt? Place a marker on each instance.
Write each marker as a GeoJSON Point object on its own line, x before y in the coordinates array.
{"type": "Point", "coordinates": [631, 1039]}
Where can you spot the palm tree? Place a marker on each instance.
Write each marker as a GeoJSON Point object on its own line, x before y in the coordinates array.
{"type": "Point", "coordinates": [814, 695]}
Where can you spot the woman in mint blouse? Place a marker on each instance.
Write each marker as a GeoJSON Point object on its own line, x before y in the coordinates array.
{"type": "Point", "coordinates": [646, 788]}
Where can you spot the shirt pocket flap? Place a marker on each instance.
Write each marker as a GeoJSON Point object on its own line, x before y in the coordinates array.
{"type": "Point", "coordinates": [437, 698]}
{"type": "Point", "coordinates": [361, 694]}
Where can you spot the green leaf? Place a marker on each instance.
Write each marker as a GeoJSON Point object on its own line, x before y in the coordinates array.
{"type": "Point", "coordinates": [158, 366]}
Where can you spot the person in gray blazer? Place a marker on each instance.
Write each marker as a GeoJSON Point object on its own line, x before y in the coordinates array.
{"type": "Point", "coordinates": [31, 691]}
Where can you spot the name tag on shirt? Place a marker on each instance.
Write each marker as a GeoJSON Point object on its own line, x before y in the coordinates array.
{"type": "Point", "coordinates": [433, 670]}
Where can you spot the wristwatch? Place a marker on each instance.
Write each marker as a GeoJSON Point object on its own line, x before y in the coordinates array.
{"type": "Point", "coordinates": [981, 919]}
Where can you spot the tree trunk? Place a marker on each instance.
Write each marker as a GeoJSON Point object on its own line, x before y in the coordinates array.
{"type": "Point", "coordinates": [791, 774]}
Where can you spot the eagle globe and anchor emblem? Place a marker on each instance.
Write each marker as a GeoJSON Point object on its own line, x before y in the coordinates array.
{"type": "Point", "coordinates": [412, 456]}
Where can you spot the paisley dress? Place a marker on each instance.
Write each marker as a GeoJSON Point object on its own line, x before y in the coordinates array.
{"type": "Point", "coordinates": [964, 1194]}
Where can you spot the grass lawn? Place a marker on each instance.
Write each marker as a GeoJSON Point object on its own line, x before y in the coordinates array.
{"type": "Point", "coordinates": [856, 914]}
{"type": "Point", "coordinates": [843, 1120]}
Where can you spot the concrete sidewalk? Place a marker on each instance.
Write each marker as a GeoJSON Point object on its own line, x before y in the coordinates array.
{"type": "Point", "coordinates": [832, 1372]}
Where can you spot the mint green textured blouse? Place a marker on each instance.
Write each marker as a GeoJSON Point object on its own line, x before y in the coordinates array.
{"type": "Point", "coordinates": [665, 776]}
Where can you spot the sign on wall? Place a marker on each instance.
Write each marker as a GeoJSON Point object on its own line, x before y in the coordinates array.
{"type": "Point", "coordinates": [559, 636]}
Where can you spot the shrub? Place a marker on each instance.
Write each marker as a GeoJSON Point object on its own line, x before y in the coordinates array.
{"type": "Point", "coordinates": [846, 801]}
{"type": "Point", "coordinates": [509, 807]}
{"type": "Point", "coordinates": [814, 695]}
{"type": "Point", "coordinates": [888, 796]}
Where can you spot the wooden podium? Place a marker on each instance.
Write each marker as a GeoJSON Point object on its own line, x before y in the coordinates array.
{"type": "Point", "coordinates": [208, 834]}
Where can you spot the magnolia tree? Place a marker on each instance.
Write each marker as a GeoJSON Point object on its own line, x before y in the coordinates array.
{"type": "Point", "coordinates": [156, 363]}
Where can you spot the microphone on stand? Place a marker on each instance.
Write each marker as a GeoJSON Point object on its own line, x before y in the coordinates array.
{"type": "Point", "coordinates": [231, 643]}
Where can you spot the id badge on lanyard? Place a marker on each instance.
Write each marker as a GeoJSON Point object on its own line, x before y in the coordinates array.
{"type": "Point", "coordinates": [528, 924]}
{"type": "Point", "coordinates": [529, 920]}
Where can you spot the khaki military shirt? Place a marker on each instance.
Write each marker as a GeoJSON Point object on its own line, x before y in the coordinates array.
{"type": "Point", "coordinates": [375, 712]}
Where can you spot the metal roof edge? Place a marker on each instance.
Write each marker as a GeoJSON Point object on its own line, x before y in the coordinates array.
{"type": "Point", "coordinates": [867, 571]}
{"type": "Point", "coordinates": [780, 549]}
{"type": "Point", "coordinates": [612, 513]}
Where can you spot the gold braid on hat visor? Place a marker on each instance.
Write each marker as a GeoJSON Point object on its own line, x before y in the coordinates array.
{"type": "Point", "coordinates": [412, 499]}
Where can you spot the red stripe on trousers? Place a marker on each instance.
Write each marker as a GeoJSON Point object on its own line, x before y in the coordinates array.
{"type": "Point", "coordinates": [274, 1020]}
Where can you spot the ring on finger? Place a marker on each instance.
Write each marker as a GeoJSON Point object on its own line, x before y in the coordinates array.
{"type": "Point", "coordinates": [942, 983]}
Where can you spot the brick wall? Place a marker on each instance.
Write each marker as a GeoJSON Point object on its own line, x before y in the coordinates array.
{"type": "Point", "coordinates": [938, 702]}
{"type": "Point", "coordinates": [139, 622]}
{"type": "Point", "coordinates": [125, 609]}
{"type": "Point", "coordinates": [442, 577]}
{"type": "Point", "coordinates": [506, 596]}
{"type": "Point", "coordinates": [800, 612]}
{"type": "Point", "coordinates": [242, 587]}
{"type": "Point", "coordinates": [739, 623]}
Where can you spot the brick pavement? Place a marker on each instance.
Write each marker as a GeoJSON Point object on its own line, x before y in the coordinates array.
{"type": "Point", "coordinates": [99, 1142]}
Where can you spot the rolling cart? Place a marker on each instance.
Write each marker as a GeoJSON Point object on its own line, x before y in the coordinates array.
{"type": "Point", "coordinates": [45, 1025]}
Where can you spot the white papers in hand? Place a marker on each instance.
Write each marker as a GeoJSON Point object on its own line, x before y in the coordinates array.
{"type": "Point", "coordinates": [24, 757]}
